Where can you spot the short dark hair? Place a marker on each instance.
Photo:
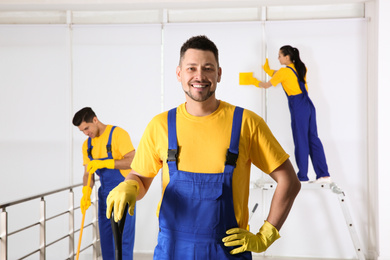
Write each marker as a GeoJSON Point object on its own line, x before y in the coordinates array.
{"type": "Point", "coordinates": [84, 115]}
{"type": "Point", "coordinates": [200, 42]}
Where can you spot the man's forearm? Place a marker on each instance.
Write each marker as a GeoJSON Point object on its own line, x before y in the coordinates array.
{"type": "Point", "coordinates": [143, 182]}
{"type": "Point", "coordinates": [288, 187]}
{"type": "Point", "coordinates": [281, 204]}
{"type": "Point", "coordinates": [124, 164]}
{"type": "Point", "coordinates": [86, 176]}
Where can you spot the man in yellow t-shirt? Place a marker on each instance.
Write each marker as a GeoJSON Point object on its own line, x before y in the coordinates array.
{"type": "Point", "coordinates": [108, 152]}
{"type": "Point", "coordinates": [206, 147]}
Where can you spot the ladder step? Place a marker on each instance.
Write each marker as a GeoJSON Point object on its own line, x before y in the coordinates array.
{"type": "Point", "coordinates": [341, 197]}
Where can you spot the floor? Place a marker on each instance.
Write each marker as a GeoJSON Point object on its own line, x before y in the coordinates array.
{"type": "Point", "coordinates": [144, 256]}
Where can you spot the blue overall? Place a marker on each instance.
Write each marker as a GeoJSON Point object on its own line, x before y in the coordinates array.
{"type": "Point", "coordinates": [109, 179]}
{"type": "Point", "coordinates": [304, 130]}
{"type": "Point", "coordinates": [197, 208]}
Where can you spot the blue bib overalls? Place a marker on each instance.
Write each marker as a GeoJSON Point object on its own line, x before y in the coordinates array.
{"type": "Point", "coordinates": [109, 179]}
{"type": "Point", "coordinates": [197, 208]}
{"type": "Point", "coordinates": [304, 130]}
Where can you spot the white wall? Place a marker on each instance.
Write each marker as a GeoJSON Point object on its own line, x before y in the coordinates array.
{"type": "Point", "coordinates": [117, 71]}
{"type": "Point", "coordinates": [35, 103]}
{"type": "Point", "coordinates": [383, 130]}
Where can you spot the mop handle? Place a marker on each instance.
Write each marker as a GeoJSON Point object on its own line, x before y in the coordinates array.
{"type": "Point", "coordinates": [117, 231]}
{"type": "Point", "coordinates": [82, 222]}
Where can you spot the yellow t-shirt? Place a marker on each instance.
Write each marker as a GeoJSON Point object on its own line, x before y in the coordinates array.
{"type": "Point", "coordinates": [120, 145]}
{"type": "Point", "coordinates": [288, 80]}
{"type": "Point", "coordinates": [203, 142]}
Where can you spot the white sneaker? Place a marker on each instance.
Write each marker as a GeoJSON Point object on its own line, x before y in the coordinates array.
{"type": "Point", "coordinates": [323, 180]}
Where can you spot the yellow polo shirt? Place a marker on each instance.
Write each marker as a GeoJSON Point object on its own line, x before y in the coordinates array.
{"type": "Point", "coordinates": [288, 80]}
{"type": "Point", "coordinates": [120, 145]}
{"type": "Point", "coordinates": [203, 142]}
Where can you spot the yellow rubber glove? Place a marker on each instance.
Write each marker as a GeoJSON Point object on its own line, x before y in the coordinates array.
{"type": "Point", "coordinates": [250, 242]}
{"type": "Point", "coordinates": [86, 199]}
{"type": "Point", "coordinates": [95, 165]}
{"type": "Point", "coordinates": [125, 192]}
{"type": "Point", "coordinates": [267, 69]}
{"type": "Point", "coordinates": [246, 78]}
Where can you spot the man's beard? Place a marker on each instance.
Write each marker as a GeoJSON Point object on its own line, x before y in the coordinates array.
{"type": "Point", "coordinates": [199, 98]}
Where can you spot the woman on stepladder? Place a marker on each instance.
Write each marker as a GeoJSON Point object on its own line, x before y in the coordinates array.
{"type": "Point", "coordinates": [303, 114]}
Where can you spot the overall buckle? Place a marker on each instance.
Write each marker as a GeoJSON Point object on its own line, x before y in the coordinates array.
{"type": "Point", "coordinates": [172, 155]}
{"type": "Point", "coordinates": [231, 158]}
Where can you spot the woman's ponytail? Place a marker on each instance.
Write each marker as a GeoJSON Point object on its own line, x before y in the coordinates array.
{"type": "Point", "coordinates": [294, 57]}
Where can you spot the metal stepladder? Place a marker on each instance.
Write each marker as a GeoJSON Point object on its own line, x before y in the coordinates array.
{"type": "Point", "coordinates": [342, 200]}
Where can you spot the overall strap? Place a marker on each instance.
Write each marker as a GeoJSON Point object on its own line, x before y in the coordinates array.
{"type": "Point", "coordinates": [89, 151]}
{"type": "Point", "coordinates": [232, 152]}
{"type": "Point", "coordinates": [108, 146]}
{"type": "Point", "coordinates": [300, 82]}
{"type": "Point", "coordinates": [172, 141]}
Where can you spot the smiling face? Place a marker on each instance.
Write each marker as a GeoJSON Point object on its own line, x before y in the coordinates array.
{"type": "Point", "coordinates": [199, 74]}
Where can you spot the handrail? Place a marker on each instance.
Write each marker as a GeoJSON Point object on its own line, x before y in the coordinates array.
{"type": "Point", "coordinates": [41, 223]}
{"type": "Point", "coordinates": [39, 196]}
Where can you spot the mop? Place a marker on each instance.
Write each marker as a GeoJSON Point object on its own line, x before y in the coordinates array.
{"type": "Point", "coordinates": [117, 231]}
{"type": "Point", "coordinates": [82, 222]}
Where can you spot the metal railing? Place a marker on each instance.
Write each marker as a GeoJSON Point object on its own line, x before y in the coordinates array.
{"type": "Point", "coordinates": [43, 219]}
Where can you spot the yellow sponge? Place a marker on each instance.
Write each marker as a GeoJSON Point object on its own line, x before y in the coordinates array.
{"type": "Point", "coordinates": [246, 78]}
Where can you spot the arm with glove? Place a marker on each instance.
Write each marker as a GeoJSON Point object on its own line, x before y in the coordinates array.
{"type": "Point", "coordinates": [287, 189]}
{"type": "Point", "coordinates": [133, 188]}
{"type": "Point", "coordinates": [270, 73]}
{"type": "Point", "coordinates": [95, 165]}
{"type": "Point", "coordinates": [247, 78]}
{"type": "Point", "coordinates": [122, 164]}
{"type": "Point", "coordinates": [267, 69]}
{"type": "Point", "coordinates": [89, 180]}
{"type": "Point", "coordinates": [248, 241]}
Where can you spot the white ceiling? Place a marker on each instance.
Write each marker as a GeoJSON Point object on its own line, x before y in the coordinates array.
{"type": "Point", "coordinates": [81, 5]}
